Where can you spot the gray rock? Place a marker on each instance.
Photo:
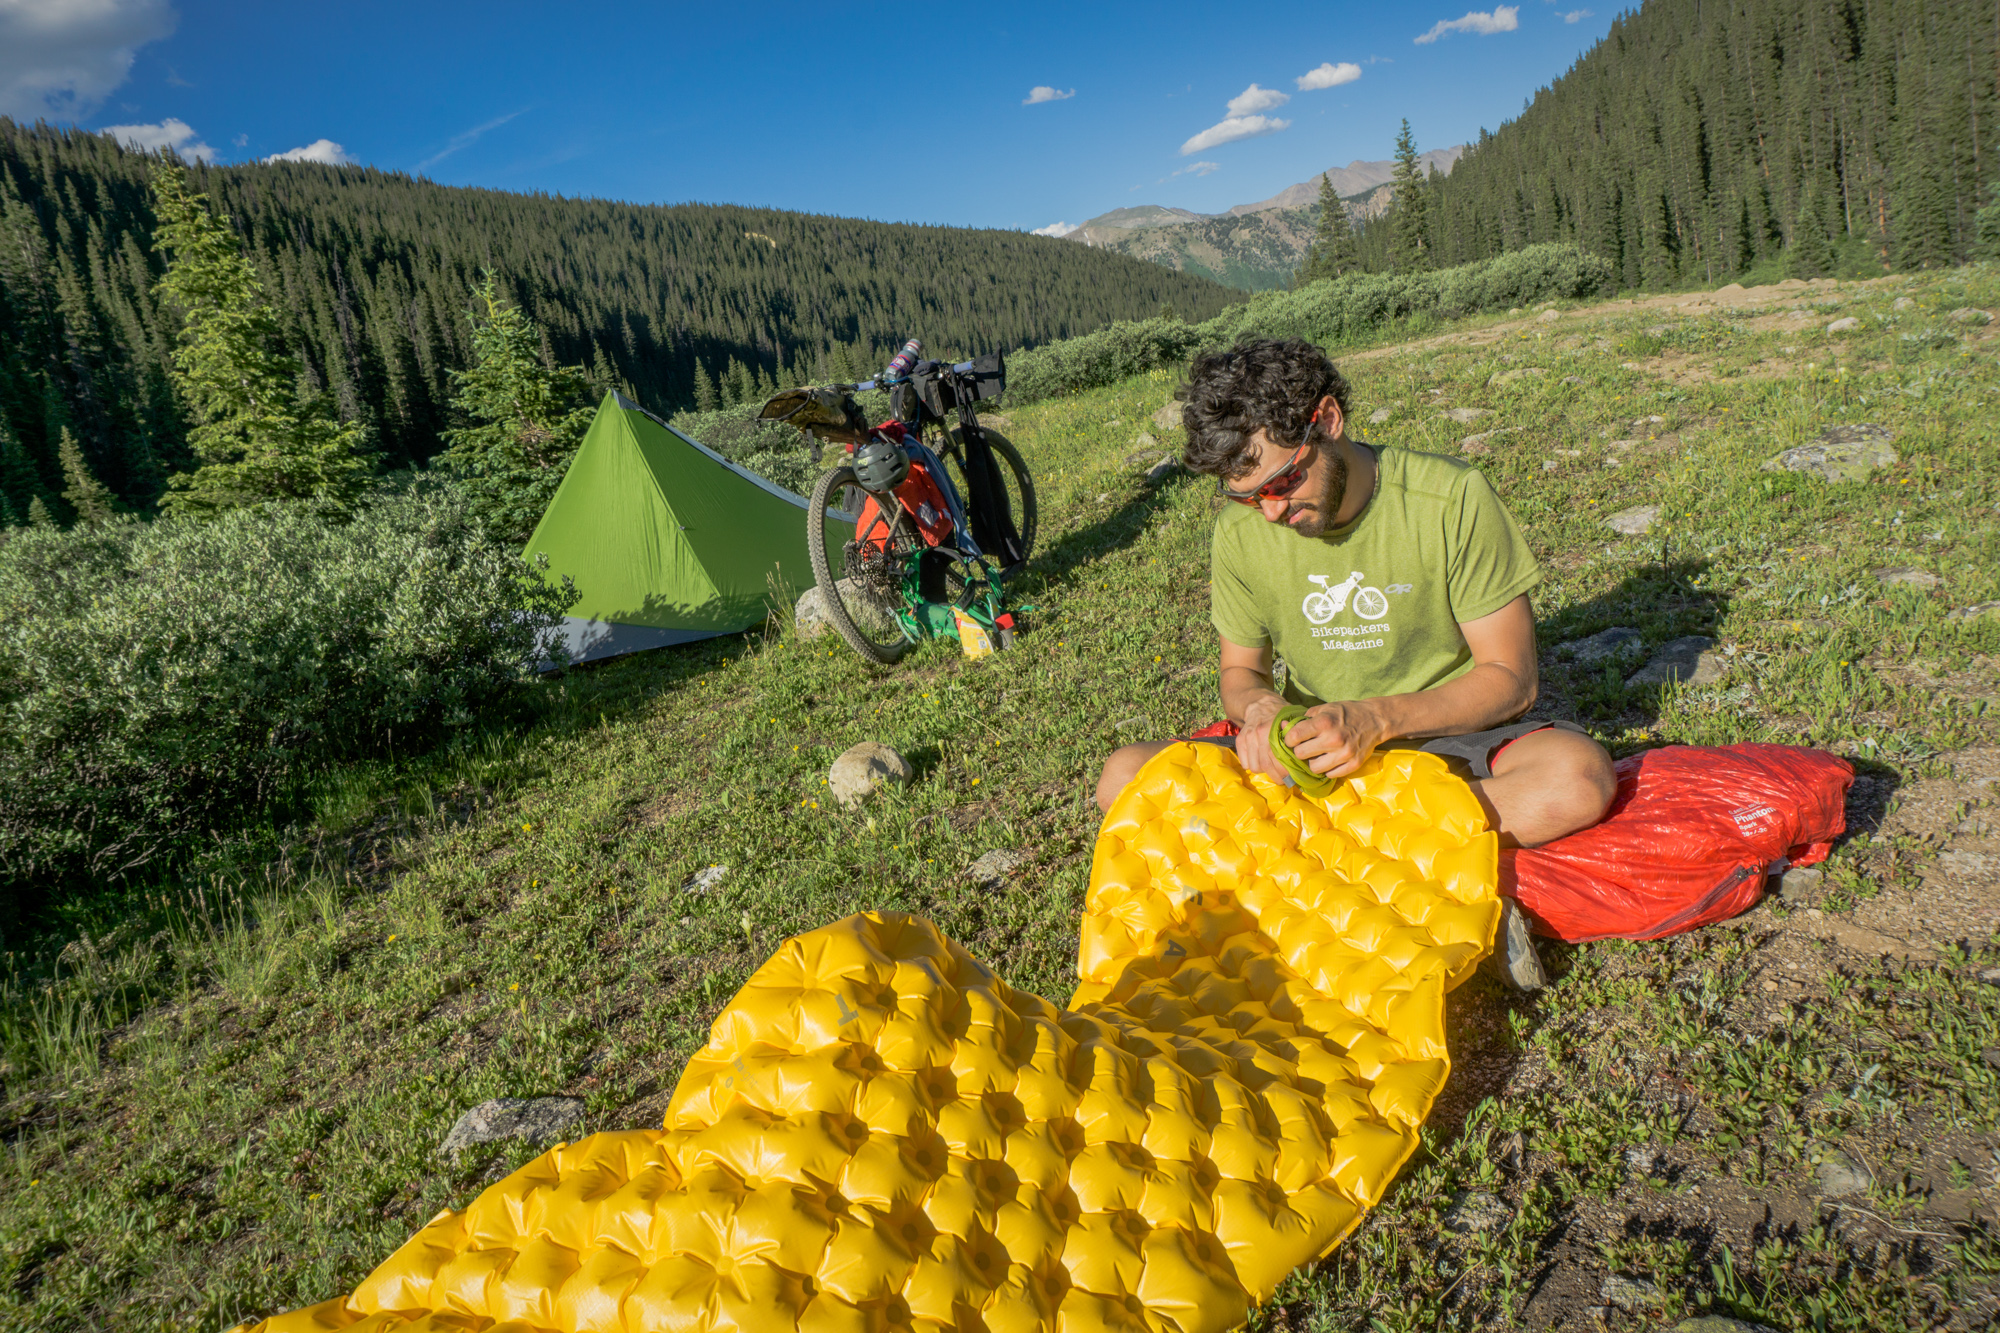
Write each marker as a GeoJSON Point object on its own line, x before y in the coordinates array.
{"type": "Point", "coordinates": [1166, 467]}
{"type": "Point", "coordinates": [1515, 376]}
{"type": "Point", "coordinates": [1169, 417]}
{"type": "Point", "coordinates": [532, 1120]}
{"type": "Point", "coordinates": [1642, 1161]}
{"type": "Point", "coordinates": [1380, 415]}
{"type": "Point", "coordinates": [1990, 975]}
{"type": "Point", "coordinates": [1798, 884]}
{"type": "Point", "coordinates": [1476, 1210]}
{"type": "Point", "coordinates": [1515, 310]}
{"type": "Point", "coordinates": [1975, 612]}
{"type": "Point", "coordinates": [994, 867]}
{"type": "Point", "coordinates": [1618, 641]}
{"type": "Point", "coordinates": [1548, 317]}
{"type": "Point", "coordinates": [1969, 315]}
{"type": "Point", "coordinates": [1903, 303]}
{"type": "Point", "coordinates": [1482, 444]}
{"type": "Point", "coordinates": [1847, 324]}
{"type": "Point", "coordinates": [1628, 1293]}
{"type": "Point", "coordinates": [1842, 453]}
{"type": "Point", "coordinates": [1720, 1323]}
{"type": "Point", "coordinates": [1573, 379]}
{"type": "Point", "coordinates": [1839, 1175]}
{"type": "Point", "coordinates": [1146, 440]}
{"type": "Point", "coordinates": [1465, 416]}
{"type": "Point", "coordinates": [864, 768]}
{"type": "Point", "coordinates": [1908, 577]}
{"type": "Point", "coordinates": [701, 881]}
{"type": "Point", "coordinates": [1634, 522]}
{"type": "Point", "coordinates": [1682, 660]}
{"type": "Point", "coordinates": [809, 615]}
{"type": "Point", "coordinates": [1550, 465]}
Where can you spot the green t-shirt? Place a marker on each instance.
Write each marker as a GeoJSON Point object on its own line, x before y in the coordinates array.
{"type": "Point", "coordinates": [1373, 608]}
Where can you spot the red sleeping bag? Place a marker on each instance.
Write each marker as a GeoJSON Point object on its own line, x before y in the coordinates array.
{"type": "Point", "coordinates": [1688, 841]}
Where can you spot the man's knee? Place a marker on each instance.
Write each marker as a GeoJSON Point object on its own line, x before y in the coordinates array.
{"type": "Point", "coordinates": [1123, 765]}
{"type": "Point", "coordinates": [1586, 779]}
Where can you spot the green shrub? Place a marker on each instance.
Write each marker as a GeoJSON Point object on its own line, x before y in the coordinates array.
{"type": "Point", "coordinates": [774, 451]}
{"type": "Point", "coordinates": [162, 680]}
{"type": "Point", "coordinates": [1332, 312]}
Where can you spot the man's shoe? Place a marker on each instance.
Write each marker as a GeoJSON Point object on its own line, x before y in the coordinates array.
{"type": "Point", "coordinates": [1519, 960]}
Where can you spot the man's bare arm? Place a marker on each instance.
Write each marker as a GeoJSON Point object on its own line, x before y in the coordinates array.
{"type": "Point", "coordinates": [1250, 700]}
{"type": "Point", "coordinates": [1337, 738]}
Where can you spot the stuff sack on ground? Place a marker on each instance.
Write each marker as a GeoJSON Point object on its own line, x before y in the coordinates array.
{"type": "Point", "coordinates": [881, 1133]}
{"type": "Point", "coordinates": [1691, 835]}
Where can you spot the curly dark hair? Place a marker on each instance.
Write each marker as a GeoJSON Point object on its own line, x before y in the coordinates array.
{"type": "Point", "coordinates": [1270, 385]}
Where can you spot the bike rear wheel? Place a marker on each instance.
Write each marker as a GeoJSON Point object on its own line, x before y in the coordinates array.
{"type": "Point", "coordinates": [1016, 484]}
{"type": "Point", "coordinates": [861, 601]}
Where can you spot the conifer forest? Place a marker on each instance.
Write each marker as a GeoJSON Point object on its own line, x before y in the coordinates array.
{"type": "Point", "coordinates": [373, 276]}
{"type": "Point", "coordinates": [1701, 138]}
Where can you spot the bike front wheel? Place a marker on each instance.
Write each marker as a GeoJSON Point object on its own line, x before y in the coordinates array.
{"type": "Point", "coordinates": [1017, 487]}
{"type": "Point", "coordinates": [861, 579]}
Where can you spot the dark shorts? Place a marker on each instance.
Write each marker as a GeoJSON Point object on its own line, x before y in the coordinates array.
{"type": "Point", "coordinates": [1470, 755]}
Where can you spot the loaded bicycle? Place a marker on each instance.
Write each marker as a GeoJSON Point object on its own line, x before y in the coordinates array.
{"type": "Point", "coordinates": [941, 508]}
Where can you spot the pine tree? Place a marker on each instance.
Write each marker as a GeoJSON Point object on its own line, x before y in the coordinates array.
{"type": "Point", "coordinates": [262, 436]}
{"type": "Point", "coordinates": [1923, 219]}
{"type": "Point", "coordinates": [1986, 226]}
{"type": "Point", "coordinates": [38, 514]}
{"type": "Point", "coordinates": [705, 397]}
{"type": "Point", "coordinates": [1810, 254]}
{"type": "Point", "coordinates": [521, 421]}
{"type": "Point", "coordinates": [1334, 250]}
{"type": "Point", "coordinates": [1410, 241]}
{"type": "Point", "coordinates": [18, 483]}
{"type": "Point", "coordinates": [90, 500]}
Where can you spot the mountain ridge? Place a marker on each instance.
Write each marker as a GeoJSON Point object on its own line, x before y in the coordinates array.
{"type": "Point", "coordinates": [1252, 247]}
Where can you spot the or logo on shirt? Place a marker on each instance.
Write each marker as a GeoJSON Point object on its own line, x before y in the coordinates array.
{"type": "Point", "coordinates": [1324, 603]}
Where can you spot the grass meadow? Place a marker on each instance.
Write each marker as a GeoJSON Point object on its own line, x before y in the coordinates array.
{"type": "Point", "coordinates": [223, 1097]}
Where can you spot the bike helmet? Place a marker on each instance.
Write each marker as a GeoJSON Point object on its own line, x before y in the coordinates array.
{"type": "Point", "coordinates": [880, 465]}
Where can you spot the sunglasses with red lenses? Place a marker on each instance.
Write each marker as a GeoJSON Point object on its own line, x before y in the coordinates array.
{"type": "Point", "coordinates": [1279, 484]}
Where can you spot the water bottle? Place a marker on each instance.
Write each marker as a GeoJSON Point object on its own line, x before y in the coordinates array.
{"type": "Point", "coordinates": [900, 367]}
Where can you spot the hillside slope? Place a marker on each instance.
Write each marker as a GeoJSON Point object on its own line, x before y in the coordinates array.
{"type": "Point", "coordinates": [374, 271]}
{"type": "Point", "coordinates": [230, 1100]}
{"type": "Point", "coordinates": [1697, 140]}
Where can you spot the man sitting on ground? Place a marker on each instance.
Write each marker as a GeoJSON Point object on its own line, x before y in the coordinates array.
{"type": "Point", "coordinates": [1394, 585]}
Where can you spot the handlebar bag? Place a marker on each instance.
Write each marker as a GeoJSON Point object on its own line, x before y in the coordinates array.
{"type": "Point", "coordinates": [987, 378]}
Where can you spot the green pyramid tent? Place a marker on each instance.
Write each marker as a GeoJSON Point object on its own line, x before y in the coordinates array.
{"type": "Point", "coordinates": [666, 541]}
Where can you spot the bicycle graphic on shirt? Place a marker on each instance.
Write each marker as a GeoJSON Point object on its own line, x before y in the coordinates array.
{"type": "Point", "coordinates": [1322, 606]}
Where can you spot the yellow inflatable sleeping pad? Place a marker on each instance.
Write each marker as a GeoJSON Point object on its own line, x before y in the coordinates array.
{"type": "Point", "coordinates": [881, 1134]}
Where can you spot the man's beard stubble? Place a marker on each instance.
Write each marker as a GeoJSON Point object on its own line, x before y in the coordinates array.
{"type": "Point", "coordinates": [1331, 498]}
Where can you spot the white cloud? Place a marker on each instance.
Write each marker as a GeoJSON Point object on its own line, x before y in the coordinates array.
{"type": "Point", "coordinates": [1059, 228]}
{"type": "Point", "coordinates": [323, 151]}
{"type": "Point", "coordinates": [64, 57]}
{"type": "Point", "coordinates": [1044, 93]}
{"type": "Point", "coordinates": [170, 133]}
{"type": "Point", "coordinates": [1232, 129]}
{"type": "Point", "coordinates": [1198, 169]}
{"type": "Point", "coordinates": [1328, 75]}
{"type": "Point", "coordinates": [1504, 18]}
{"type": "Point", "coordinates": [470, 136]}
{"type": "Point", "coordinates": [1253, 99]}
{"type": "Point", "coordinates": [1575, 14]}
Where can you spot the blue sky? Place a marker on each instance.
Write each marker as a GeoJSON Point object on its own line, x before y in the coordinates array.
{"type": "Point", "coordinates": [923, 113]}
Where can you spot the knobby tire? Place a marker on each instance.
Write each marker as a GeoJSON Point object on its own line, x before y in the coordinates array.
{"type": "Point", "coordinates": [830, 483]}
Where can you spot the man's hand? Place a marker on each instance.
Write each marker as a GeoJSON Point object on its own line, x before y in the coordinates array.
{"type": "Point", "coordinates": [1334, 739]}
{"type": "Point", "coordinates": [1253, 742]}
